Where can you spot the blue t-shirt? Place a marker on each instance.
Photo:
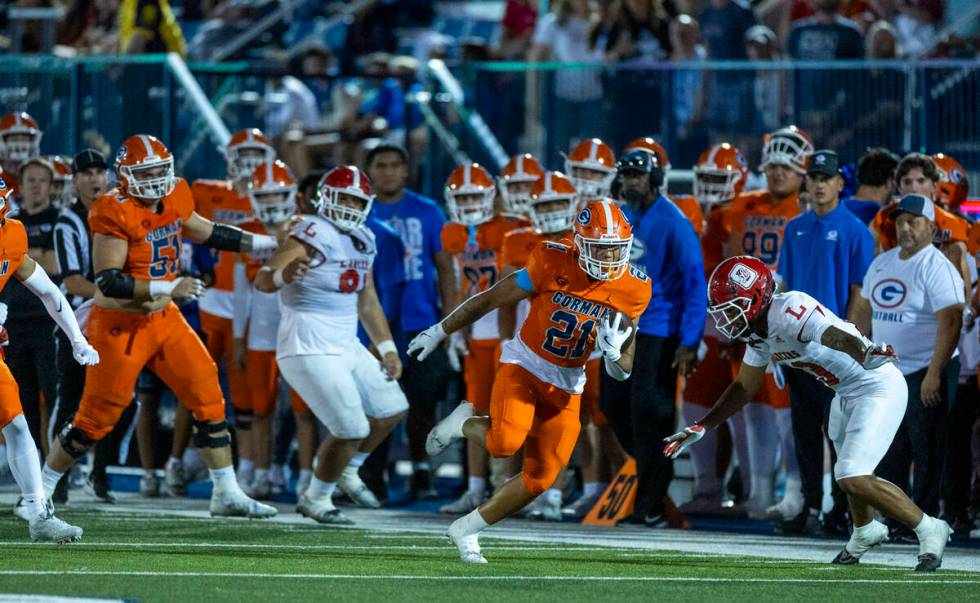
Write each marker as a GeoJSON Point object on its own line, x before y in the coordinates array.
{"type": "Point", "coordinates": [666, 247]}
{"type": "Point", "coordinates": [723, 30]}
{"type": "Point", "coordinates": [864, 210]}
{"type": "Point", "coordinates": [824, 256]}
{"type": "Point", "coordinates": [418, 222]}
{"type": "Point", "coordinates": [389, 102]}
{"type": "Point", "coordinates": [388, 273]}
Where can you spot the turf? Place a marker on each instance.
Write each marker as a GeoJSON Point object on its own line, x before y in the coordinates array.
{"type": "Point", "coordinates": [154, 558]}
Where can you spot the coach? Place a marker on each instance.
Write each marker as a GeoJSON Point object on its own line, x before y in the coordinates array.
{"type": "Point", "coordinates": [913, 299]}
{"type": "Point", "coordinates": [641, 409]}
{"type": "Point", "coordinates": [825, 253]}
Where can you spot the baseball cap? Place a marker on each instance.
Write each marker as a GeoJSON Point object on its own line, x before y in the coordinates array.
{"type": "Point", "coordinates": [917, 205]}
{"type": "Point", "coordinates": [88, 158]}
{"type": "Point", "coordinates": [36, 160]}
{"type": "Point", "coordinates": [823, 162]}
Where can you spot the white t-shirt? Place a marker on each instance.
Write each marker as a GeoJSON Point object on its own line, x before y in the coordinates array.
{"type": "Point", "coordinates": [796, 323]}
{"type": "Point", "coordinates": [905, 296]}
{"type": "Point", "coordinates": [569, 43]}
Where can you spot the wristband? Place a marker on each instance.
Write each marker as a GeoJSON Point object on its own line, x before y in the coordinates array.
{"type": "Point", "coordinates": [385, 347]}
{"type": "Point", "coordinates": [261, 243]}
{"type": "Point", "coordinates": [158, 288]}
{"type": "Point", "coordinates": [277, 278]}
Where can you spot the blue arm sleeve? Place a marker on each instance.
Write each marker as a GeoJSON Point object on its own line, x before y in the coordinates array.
{"type": "Point", "coordinates": [688, 251]}
{"type": "Point", "coordinates": [524, 280]}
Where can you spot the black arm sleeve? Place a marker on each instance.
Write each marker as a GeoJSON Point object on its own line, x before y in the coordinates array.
{"type": "Point", "coordinates": [113, 283]}
{"type": "Point", "coordinates": [226, 238]}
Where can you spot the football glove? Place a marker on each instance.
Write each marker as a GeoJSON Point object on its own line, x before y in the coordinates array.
{"type": "Point", "coordinates": [456, 350]}
{"type": "Point", "coordinates": [676, 443]}
{"type": "Point", "coordinates": [84, 353]}
{"type": "Point", "coordinates": [427, 341]}
{"type": "Point", "coordinates": [610, 339]}
{"type": "Point", "coordinates": [878, 354]}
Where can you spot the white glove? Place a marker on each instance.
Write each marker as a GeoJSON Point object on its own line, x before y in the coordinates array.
{"type": "Point", "coordinates": [969, 317]}
{"type": "Point", "coordinates": [878, 354]}
{"type": "Point", "coordinates": [457, 349]}
{"type": "Point", "coordinates": [84, 353]}
{"type": "Point", "coordinates": [3, 313]}
{"type": "Point", "coordinates": [427, 341]}
{"type": "Point", "coordinates": [676, 443]}
{"type": "Point", "coordinates": [610, 339]}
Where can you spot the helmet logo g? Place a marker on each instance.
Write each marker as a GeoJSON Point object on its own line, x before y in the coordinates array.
{"type": "Point", "coordinates": [742, 276]}
{"type": "Point", "coordinates": [585, 216]}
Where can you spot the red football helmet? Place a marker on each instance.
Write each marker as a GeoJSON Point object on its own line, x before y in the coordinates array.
{"type": "Point", "coordinates": [19, 124]}
{"type": "Point", "coordinates": [272, 191]}
{"type": "Point", "coordinates": [591, 165]}
{"type": "Point", "coordinates": [354, 184]}
{"type": "Point", "coordinates": [556, 191]}
{"type": "Point", "coordinates": [604, 238]}
{"type": "Point", "coordinates": [6, 193]}
{"type": "Point", "coordinates": [953, 185]}
{"type": "Point", "coordinates": [61, 191]}
{"type": "Point", "coordinates": [719, 174]}
{"type": "Point", "coordinates": [469, 194]}
{"type": "Point", "coordinates": [789, 146]}
{"type": "Point", "coordinates": [139, 155]}
{"type": "Point", "coordinates": [246, 150]}
{"type": "Point", "coordinates": [739, 290]}
{"type": "Point", "coordinates": [516, 179]}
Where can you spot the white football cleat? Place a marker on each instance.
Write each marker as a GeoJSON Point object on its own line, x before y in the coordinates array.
{"type": "Point", "coordinates": [351, 484]}
{"type": "Point", "coordinates": [786, 509]}
{"type": "Point", "coordinates": [260, 489]}
{"type": "Point", "coordinates": [237, 504]}
{"type": "Point", "coordinates": [21, 510]}
{"type": "Point", "coordinates": [469, 501]}
{"type": "Point", "coordinates": [581, 507]}
{"type": "Point", "coordinates": [545, 510]}
{"type": "Point", "coordinates": [150, 486]}
{"type": "Point", "coordinates": [322, 511]}
{"type": "Point", "coordinates": [48, 528]}
{"type": "Point", "coordinates": [855, 549]}
{"type": "Point", "coordinates": [468, 545]}
{"type": "Point", "coordinates": [175, 479]}
{"type": "Point", "coordinates": [932, 546]}
{"type": "Point", "coordinates": [447, 430]}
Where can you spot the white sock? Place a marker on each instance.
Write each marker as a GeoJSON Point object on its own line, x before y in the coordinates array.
{"type": "Point", "coordinates": [476, 485]}
{"type": "Point", "coordinates": [320, 489]}
{"type": "Point", "coordinates": [49, 479]}
{"type": "Point", "coordinates": [472, 523]}
{"type": "Point", "coordinates": [25, 464]}
{"type": "Point", "coordinates": [553, 496]}
{"type": "Point", "coordinates": [860, 539]}
{"type": "Point", "coordinates": [224, 480]}
{"type": "Point", "coordinates": [358, 459]}
{"type": "Point", "coordinates": [703, 455]}
{"type": "Point", "coordinates": [261, 475]}
{"type": "Point", "coordinates": [924, 526]}
{"type": "Point", "coordinates": [171, 461]}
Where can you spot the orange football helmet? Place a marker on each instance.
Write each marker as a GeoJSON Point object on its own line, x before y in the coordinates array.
{"type": "Point", "coordinates": [719, 174]}
{"type": "Point", "coordinates": [246, 150]}
{"type": "Point", "coordinates": [19, 124]}
{"type": "Point", "coordinates": [592, 167]}
{"type": "Point", "coordinates": [545, 209]}
{"type": "Point", "coordinates": [138, 156]}
{"type": "Point", "coordinates": [789, 146]}
{"type": "Point", "coordinates": [469, 194]}
{"type": "Point", "coordinates": [520, 173]}
{"type": "Point", "coordinates": [272, 191]}
{"type": "Point", "coordinates": [604, 238]}
{"type": "Point", "coordinates": [344, 180]}
{"type": "Point", "coordinates": [61, 191]}
{"type": "Point", "coordinates": [6, 193]}
{"type": "Point", "coordinates": [953, 185]}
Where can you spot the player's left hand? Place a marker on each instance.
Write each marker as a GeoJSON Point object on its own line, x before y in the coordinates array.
{"type": "Point", "coordinates": [685, 360]}
{"type": "Point", "coordinates": [610, 338]}
{"type": "Point", "coordinates": [676, 443]}
{"type": "Point", "coordinates": [456, 349]}
{"type": "Point", "coordinates": [391, 364]}
{"type": "Point", "coordinates": [929, 391]}
{"type": "Point", "coordinates": [427, 341]}
{"type": "Point", "coordinates": [84, 353]}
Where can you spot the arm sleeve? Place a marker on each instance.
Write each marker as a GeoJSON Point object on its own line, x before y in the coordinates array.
{"type": "Point", "coordinates": [243, 301]}
{"type": "Point", "coordinates": [523, 280]}
{"type": "Point", "coordinates": [688, 253]}
{"type": "Point", "coordinates": [942, 284]}
{"type": "Point", "coordinates": [68, 252]}
{"type": "Point", "coordinates": [54, 302]}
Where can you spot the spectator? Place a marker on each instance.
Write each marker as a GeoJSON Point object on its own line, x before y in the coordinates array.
{"type": "Point", "coordinates": [430, 288]}
{"type": "Point", "coordinates": [876, 184]}
{"type": "Point", "coordinates": [769, 90]}
{"type": "Point", "coordinates": [881, 42]}
{"type": "Point", "coordinates": [825, 36]}
{"type": "Point", "coordinates": [516, 28]}
{"type": "Point", "coordinates": [641, 409]}
{"type": "Point", "coordinates": [91, 27]}
{"type": "Point", "coordinates": [724, 24]}
{"type": "Point", "coordinates": [728, 94]}
{"type": "Point", "coordinates": [149, 26]}
{"type": "Point", "coordinates": [687, 87]}
{"type": "Point", "coordinates": [916, 21]}
{"type": "Point", "coordinates": [825, 253]}
{"type": "Point", "coordinates": [318, 67]}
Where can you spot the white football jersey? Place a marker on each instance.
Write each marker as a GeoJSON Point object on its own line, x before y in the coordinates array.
{"type": "Point", "coordinates": [796, 324]}
{"type": "Point", "coordinates": [319, 312]}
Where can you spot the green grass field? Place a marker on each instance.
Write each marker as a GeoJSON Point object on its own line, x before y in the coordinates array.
{"type": "Point", "coordinates": [154, 558]}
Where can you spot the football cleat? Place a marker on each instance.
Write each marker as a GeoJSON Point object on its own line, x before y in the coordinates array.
{"type": "Point", "coordinates": [581, 507]}
{"type": "Point", "coordinates": [468, 545]}
{"type": "Point", "coordinates": [350, 483]}
{"type": "Point", "coordinates": [237, 504]}
{"type": "Point", "coordinates": [447, 430]}
{"type": "Point", "coordinates": [48, 528]}
{"type": "Point", "coordinates": [98, 486]}
{"type": "Point", "coordinates": [855, 549]}
{"type": "Point", "coordinates": [703, 504]}
{"type": "Point", "coordinates": [150, 486]}
{"type": "Point", "coordinates": [322, 511]}
{"type": "Point", "coordinates": [469, 501]}
{"type": "Point", "coordinates": [932, 546]}
{"type": "Point", "coordinates": [545, 510]}
{"type": "Point", "coordinates": [22, 510]}
{"type": "Point", "coordinates": [786, 509]}
{"type": "Point", "coordinates": [260, 489]}
{"type": "Point", "coordinates": [175, 479]}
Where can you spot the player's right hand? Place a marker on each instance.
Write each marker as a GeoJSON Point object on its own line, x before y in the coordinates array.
{"type": "Point", "coordinates": [187, 288]}
{"type": "Point", "coordinates": [84, 353]}
{"type": "Point", "coordinates": [610, 338]}
{"type": "Point", "coordinates": [296, 269]}
{"type": "Point", "coordinates": [676, 443]}
{"type": "Point", "coordinates": [878, 354]}
{"type": "Point", "coordinates": [427, 341]}
{"type": "Point", "coordinates": [456, 349]}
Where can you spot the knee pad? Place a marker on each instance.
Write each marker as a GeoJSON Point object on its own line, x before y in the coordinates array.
{"type": "Point", "coordinates": [74, 441]}
{"type": "Point", "coordinates": [211, 435]}
{"type": "Point", "coordinates": [243, 419]}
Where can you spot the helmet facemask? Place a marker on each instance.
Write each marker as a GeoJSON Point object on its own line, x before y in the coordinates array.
{"type": "Point", "coordinates": [470, 205]}
{"type": "Point", "coordinates": [713, 185]}
{"type": "Point", "coordinates": [346, 208]}
{"type": "Point", "coordinates": [590, 182]}
{"type": "Point", "coordinates": [604, 258]}
{"type": "Point", "coordinates": [549, 217]}
{"type": "Point", "coordinates": [787, 148]}
{"type": "Point", "coordinates": [274, 205]}
{"type": "Point", "coordinates": [245, 157]}
{"type": "Point", "coordinates": [149, 186]}
{"type": "Point", "coordinates": [731, 317]}
{"type": "Point", "coordinates": [26, 145]}
{"type": "Point", "coordinates": [516, 193]}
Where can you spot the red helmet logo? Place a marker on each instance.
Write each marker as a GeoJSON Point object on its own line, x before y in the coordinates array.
{"type": "Point", "coordinates": [740, 290]}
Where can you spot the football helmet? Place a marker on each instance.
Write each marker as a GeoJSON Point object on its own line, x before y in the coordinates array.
{"type": "Point", "coordinates": [272, 191]}
{"type": "Point", "coordinates": [520, 173]}
{"type": "Point", "coordinates": [240, 162]}
{"type": "Point", "coordinates": [597, 158]}
{"type": "Point", "coordinates": [552, 188]}
{"type": "Point", "coordinates": [19, 124]}
{"type": "Point", "coordinates": [138, 155]}
{"type": "Point", "coordinates": [6, 194]}
{"type": "Point", "coordinates": [604, 238]}
{"type": "Point", "coordinates": [740, 290]}
{"type": "Point", "coordinates": [344, 180]}
{"type": "Point", "coordinates": [789, 146]}
{"type": "Point", "coordinates": [719, 174]}
{"type": "Point", "coordinates": [953, 185]}
{"type": "Point", "coordinates": [652, 146]}
{"type": "Point", "coordinates": [61, 189]}
{"type": "Point", "coordinates": [469, 194]}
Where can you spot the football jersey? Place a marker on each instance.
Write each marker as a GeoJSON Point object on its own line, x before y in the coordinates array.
{"type": "Point", "coordinates": [516, 248]}
{"type": "Point", "coordinates": [558, 336]}
{"type": "Point", "coordinates": [973, 244]}
{"type": "Point", "coordinates": [690, 207]}
{"type": "Point", "coordinates": [796, 323]}
{"type": "Point", "coordinates": [753, 225]}
{"type": "Point", "coordinates": [714, 237]}
{"type": "Point", "coordinates": [475, 249]}
{"type": "Point", "coordinates": [949, 227]}
{"type": "Point", "coordinates": [319, 312]}
{"type": "Point", "coordinates": [218, 201]}
{"type": "Point", "coordinates": [13, 248]}
{"type": "Point", "coordinates": [154, 235]}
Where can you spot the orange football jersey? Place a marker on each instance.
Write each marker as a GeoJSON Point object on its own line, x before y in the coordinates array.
{"type": "Point", "coordinates": [753, 225]}
{"type": "Point", "coordinates": [973, 245]}
{"type": "Point", "coordinates": [13, 249]}
{"type": "Point", "coordinates": [567, 305]}
{"type": "Point", "coordinates": [154, 237]}
{"type": "Point", "coordinates": [715, 236]}
{"type": "Point", "coordinates": [519, 243]}
{"type": "Point", "coordinates": [949, 227]}
{"type": "Point", "coordinates": [476, 249]}
{"type": "Point", "coordinates": [692, 209]}
{"type": "Point", "coordinates": [218, 201]}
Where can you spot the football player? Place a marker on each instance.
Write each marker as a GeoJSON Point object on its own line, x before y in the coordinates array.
{"type": "Point", "coordinates": [136, 250]}
{"type": "Point", "coordinates": [793, 329]}
{"type": "Point", "coordinates": [515, 182]}
{"type": "Point", "coordinates": [579, 295]}
{"type": "Point", "coordinates": [591, 166]}
{"type": "Point", "coordinates": [61, 185]}
{"type": "Point", "coordinates": [20, 140]}
{"type": "Point", "coordinates": [324, 271]}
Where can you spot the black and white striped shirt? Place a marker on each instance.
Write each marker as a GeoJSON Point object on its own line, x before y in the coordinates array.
{"type": "Point", "coordinates": [73, 246]}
